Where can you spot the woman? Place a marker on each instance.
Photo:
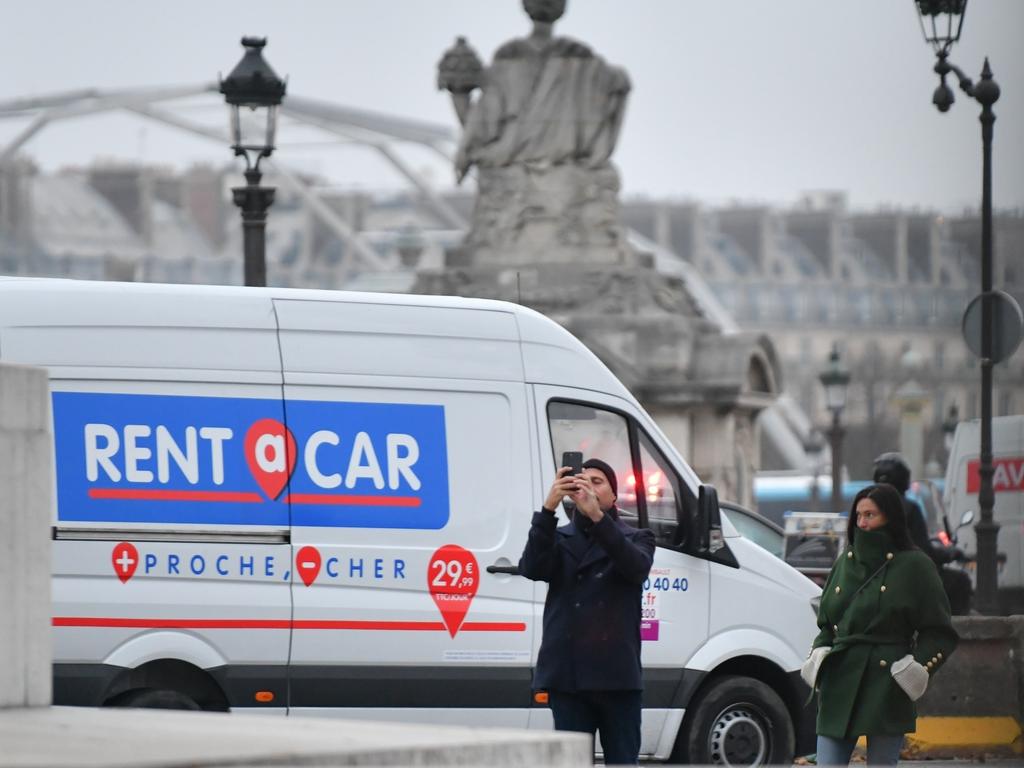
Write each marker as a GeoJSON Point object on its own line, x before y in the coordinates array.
{"type": "Point", "coordinates": [867, 664]}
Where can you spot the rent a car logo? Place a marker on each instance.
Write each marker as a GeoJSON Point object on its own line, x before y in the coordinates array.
{"type": "Point", "coordinates": [246, 461]}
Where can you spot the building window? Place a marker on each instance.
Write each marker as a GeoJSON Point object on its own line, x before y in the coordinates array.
{"type": "Point", "coordinates": [1005, 403]}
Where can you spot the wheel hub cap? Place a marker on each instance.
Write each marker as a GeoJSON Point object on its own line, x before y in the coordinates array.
{"type": "Point", "coordinates": [738, 738]}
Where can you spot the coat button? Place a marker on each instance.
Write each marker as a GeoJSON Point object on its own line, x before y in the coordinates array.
{"type": "Point", "coordinates": [577, 605]}
{"type": "Point", "coordinates": [934, 660]}
{"type": "Point", "coordinates": [929, 665]}
{"type": "Point", "coordinates": [939, 654]}
{"type": "Point", "coordinates": [883, 587]}
{"type": "Point", "coordinates": [889, 555]}
{"type": "Point", "coordinates": [849, 555]}
{"type": "Point", "coordinates": [882, 663]}
{"type": "Point", "coordinates": [835, 627]}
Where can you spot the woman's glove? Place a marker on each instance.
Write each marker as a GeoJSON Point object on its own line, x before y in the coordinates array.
{"type": "Point", "coordinates": [809, 671]}
{"type": "Point", "coordinates": [910, 676]}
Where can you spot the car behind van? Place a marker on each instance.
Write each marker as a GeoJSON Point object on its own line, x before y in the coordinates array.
{"type": "Point", "coordinates": [312, 503]}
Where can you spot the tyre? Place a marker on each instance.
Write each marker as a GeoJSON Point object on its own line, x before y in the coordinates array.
{"type": "Point", "coordinates": [151, 698]}
{"type": "Point", "coordinates": [736, 721]}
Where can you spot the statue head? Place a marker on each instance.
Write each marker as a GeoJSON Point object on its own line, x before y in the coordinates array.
{"type": "Point", "coordinates": [548, 11]}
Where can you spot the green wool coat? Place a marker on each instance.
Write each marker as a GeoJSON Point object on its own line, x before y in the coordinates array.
{"type": "Point", "coordinates": [902, 608]}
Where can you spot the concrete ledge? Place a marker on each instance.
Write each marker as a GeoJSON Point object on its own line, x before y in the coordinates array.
{"type": "Point", "coordinates": [985, 677]}
{"type": "Point", "coordinates": [71, 736]}
{"type": "Point", "coordinates": [947, 737]}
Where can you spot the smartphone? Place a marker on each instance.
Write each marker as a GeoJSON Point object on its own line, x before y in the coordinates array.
{"type": "Point", "coordinates": [573, 459]}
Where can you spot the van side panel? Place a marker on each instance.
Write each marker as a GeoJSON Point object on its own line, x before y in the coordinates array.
{"type": "Point", "coordinates": [396, 616]}
{"type": "Point", "coordinates": [397, 340]}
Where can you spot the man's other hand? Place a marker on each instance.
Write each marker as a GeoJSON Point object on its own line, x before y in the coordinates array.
{"type": "Point", "coordinates": [586, 498]}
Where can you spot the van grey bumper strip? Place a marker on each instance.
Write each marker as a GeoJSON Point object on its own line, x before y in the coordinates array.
{"type": "Point", "coordinates": [175, 535]}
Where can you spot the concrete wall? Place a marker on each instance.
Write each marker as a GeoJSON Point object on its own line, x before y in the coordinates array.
{"type": "Point", "coordinates": [26, 486]}
{"type": "Point", "coordinates": [974, 705]}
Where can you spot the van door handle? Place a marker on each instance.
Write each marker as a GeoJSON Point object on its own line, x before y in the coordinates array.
{"type": "Point", "coordinates": [503, 565]}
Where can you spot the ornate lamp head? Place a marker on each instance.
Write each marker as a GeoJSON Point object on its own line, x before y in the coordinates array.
{"type": "Point", "coordinates": [941, 22]}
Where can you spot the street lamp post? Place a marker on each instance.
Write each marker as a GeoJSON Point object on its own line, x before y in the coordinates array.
{"type": "Point", "coordinates": [949, 428]}
{"type": "Point", "coordinates": [253, 93]}
{"type": "Point", "coordinates": [835, 378]}
{"type": "Point", "coordinates": [941, 22]}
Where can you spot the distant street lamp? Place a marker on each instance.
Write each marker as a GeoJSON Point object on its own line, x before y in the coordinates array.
{"type": "Point", "coordinates": [814, 444]}
{"type": "Point", "coordinates": [835, 378]}
{"type": "Point", "coordinates": [941, 22]}
{"type": "Point", "coordinates": [949, 427]}
{"type": "Point", "coordinates": [253, 92]}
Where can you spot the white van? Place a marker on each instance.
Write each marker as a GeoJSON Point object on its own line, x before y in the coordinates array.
{"type": "Point", "coordinates": [312, 503]}
{"type": "Point", "coordinates": [961, 494]}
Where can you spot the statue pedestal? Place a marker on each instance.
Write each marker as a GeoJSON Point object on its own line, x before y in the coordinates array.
{"type": "Point", "coordinates": [536, 213]}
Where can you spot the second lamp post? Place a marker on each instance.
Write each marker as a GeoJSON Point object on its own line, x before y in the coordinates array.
{"type": "Point", "coordinates": [253, 92]}
{"type": "Point", "coordinates": [835, 378]}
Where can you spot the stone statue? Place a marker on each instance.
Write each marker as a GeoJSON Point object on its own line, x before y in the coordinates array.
{"type": "Point", "coordinates": [540, 133]}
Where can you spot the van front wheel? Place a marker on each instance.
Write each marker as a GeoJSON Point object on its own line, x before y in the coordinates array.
{"type": "Point", "coordinates": [736, 721]}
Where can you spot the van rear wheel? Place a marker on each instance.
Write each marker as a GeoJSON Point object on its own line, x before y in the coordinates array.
{"type": "Point", "coordinates": [156, 698]}
{"type": "Point", "coordinates": [736, 721]}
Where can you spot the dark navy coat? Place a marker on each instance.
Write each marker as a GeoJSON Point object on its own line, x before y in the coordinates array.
{"type": "Point", "coordinates": [591, 638]}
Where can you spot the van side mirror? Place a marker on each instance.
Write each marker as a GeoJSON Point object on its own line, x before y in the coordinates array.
{"type": "Point", "coordinates": [966, 519]}
{"type": "Point", "coordinates": [709, 520]}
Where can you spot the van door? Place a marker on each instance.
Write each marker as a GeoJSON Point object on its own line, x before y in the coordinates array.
{"type": "Point", "coordinates": [652, 493]}
{"type": "Point", "coordinates": [412, 476]}
{"type": "Point", "coordinates": [168, 553]}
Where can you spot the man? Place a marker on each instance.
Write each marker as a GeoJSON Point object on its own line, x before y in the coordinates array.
{"type": "Point", "coordinates": [589, 661]}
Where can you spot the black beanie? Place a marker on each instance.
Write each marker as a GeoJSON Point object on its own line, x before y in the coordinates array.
{"type": "Point", "coordinates": [606, 470]}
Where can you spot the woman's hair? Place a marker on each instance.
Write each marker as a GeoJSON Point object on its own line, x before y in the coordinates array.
{"type": "Point", "coordinates": [890, 503]}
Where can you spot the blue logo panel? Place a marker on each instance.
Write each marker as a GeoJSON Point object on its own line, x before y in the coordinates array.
{"type": "Point", "coordinates": [241, 461]}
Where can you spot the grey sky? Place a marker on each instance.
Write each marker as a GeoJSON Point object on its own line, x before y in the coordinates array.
{"type": "Point", "coordinates": [732, 99]}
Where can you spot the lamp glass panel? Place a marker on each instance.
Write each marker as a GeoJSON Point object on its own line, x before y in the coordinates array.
{"type": "Point", "coordinates": [254, 122]}
{"type": "Point", "coordinates": [835, 396]}
{"type": "Point", "coordinates": [271, 132]}
{"type": "Point", "coordinates": [234, 125]}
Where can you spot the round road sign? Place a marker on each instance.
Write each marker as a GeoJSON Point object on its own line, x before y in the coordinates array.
{"type": "Point", "coordinates": [1007, 325]}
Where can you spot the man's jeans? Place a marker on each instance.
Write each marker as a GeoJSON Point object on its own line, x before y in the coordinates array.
{"type": "Point", "coordinates": [614, 714]}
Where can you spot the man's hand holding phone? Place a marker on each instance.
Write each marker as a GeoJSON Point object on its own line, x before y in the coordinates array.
{"type": "Point", "coordinates": [565, 485]}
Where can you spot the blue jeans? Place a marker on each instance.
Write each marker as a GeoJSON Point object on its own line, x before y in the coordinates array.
{"type": "Point", "coordinates": [882, 750]}
{"type": "Point", "coordinates": [613, 714]}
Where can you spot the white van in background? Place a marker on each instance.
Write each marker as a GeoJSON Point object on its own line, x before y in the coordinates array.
{"type": "Point", "coordinates": [311, 503]}
{"type": "Point", "coordinates": [961, 494]}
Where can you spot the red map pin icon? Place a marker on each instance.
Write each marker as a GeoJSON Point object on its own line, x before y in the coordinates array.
{"type": "Point", "coordinates": [125, 559]}
{"type": "Point", "coordinates": [453, 576]}
{"type": "Point", "coordinates": [270, 454]}
{"type": "Point", "coordinates": [307, 564]}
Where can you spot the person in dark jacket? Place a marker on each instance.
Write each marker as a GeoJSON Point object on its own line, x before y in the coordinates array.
{"type": "Point", "coordinates": [885, 630]}
{"type": "Point", "coordinates": [595, 566]}
{"type": "Point", "coordinates": [892, 469]}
